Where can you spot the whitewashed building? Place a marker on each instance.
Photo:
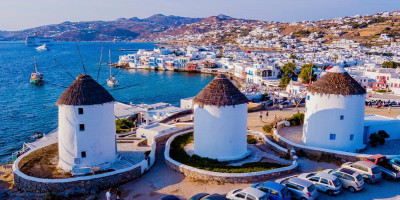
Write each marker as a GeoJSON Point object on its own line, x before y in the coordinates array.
{"type": "Point", "coordinates": [220, 121]}
{"type": "Point", "coordinates": [334, 115]}
{"type": "Point", "coordinates": [86, 127]}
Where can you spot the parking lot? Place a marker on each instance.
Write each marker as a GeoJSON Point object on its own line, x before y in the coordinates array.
{"type": "Point", "coordinates": [382, 190]}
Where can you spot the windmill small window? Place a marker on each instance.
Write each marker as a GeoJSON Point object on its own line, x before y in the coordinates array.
{"type": "Point", "coordinates": [81, 127]}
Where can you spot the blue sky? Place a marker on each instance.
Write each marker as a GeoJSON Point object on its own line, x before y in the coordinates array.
{"type": "Point", "coordinates": [22, 14]}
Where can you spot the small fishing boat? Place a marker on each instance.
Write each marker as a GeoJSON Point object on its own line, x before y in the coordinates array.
{"type": "Point", "coordinates": [112, 81]}
{"type": "Point", "coordinates": [42, 48]}
{"type": "Point", "coordinates": [36, 77]}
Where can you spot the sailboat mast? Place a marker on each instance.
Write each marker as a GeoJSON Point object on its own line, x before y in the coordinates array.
{"type": "Point", "coordinates": [109, 60]}
{"type": "Point", "coordinates": [34, 60]}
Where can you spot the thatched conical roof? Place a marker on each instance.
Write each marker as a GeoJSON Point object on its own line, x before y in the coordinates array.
{"type": "Point", "coordinates": [84, 91]}
{"type": "Point", "coordinates": [220, 92]}
{"type": "Point", "coordinates": [336, 81]}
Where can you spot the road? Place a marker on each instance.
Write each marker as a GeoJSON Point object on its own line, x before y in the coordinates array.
{"type": "Point", "coordinates": [387, 190]}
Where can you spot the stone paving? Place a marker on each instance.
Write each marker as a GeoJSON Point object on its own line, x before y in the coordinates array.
{"type": "Point", "coordinates": [132, 153]}
{"type": "Point", "coordinates": [257, 155]}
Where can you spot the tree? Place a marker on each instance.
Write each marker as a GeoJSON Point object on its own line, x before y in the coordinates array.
{"type": "Point", "coordinates": [288, 69]}
{"type": "Point", "coordinates": [391, 64]}
{"type": "Point", "coordinates": [284, 81]}
{"type": "Point", "coordinates": [293, 57]}
{"type": "Point", "coordinates": [306, 71]}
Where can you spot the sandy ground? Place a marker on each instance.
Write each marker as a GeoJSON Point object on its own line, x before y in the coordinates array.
{"type": "Point", "coordinates": [394, 112]}
{"type": "Point", "coordinates": [255, 123]}
{"type": "Point", "coordinates": [6, 176]}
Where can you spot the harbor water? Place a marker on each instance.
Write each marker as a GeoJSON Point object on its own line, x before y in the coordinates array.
{"type": "Point", "coordinates": [26, 109]}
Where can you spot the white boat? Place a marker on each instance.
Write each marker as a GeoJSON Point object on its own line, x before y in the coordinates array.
{"type": "Point", "coordinates": [112, 81]}
{"type": "Point", "coordinates": [35, 40]}
{"type": "Point", "coordinates": [42, 48]}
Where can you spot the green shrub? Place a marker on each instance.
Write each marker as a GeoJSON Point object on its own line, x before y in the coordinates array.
{"type": "Point", "coordinates": [378, 138]}
{"type": "Point", "coordinates": [123, 125]}
{"type": "Point", "coordinates": [251, 140]}
{"type": "Point", "coordinates": [178, 153]}
{"type": "Point", "coordinates": [296, 119]}
{"type": "Point", "coordinates": [268, 128]}
{"type": "Point", "coordinates": [383, 134]}
{"type": "Point", "coordinates": [374, 139]}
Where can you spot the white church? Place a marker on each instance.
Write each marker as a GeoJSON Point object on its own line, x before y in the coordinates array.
{"type": "Point", "coordinates": [220, 121]}
{"type": "Point", "coordinates": [86, 127]}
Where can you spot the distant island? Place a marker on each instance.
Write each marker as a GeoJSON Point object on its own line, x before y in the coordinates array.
{"type": "Point", "coordinates": [221, 30]}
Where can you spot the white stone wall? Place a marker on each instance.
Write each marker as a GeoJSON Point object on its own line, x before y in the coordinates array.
{"type": "Point", "coordinates": [220, 133]}
{"type": "Point", "coordinates": [323, 118]}
{"type": "Point", "coordinates": [97, 140]}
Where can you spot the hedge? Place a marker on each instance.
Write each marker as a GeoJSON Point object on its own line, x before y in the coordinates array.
{"type": "Point", "coordinates": [178, 153]}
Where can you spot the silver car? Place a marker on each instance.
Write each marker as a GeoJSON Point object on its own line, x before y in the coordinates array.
{"type": "Point", "coordinates": [324, 182]}
{"type": "Point", "coordinates": [351, 180]}
{"type": "Point", "coordinates": [370, 172]}
{"type": "Point", "coordinates": [299, 188]}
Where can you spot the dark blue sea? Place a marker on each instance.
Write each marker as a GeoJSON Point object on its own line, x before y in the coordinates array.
{"type": "Point", "coordinates": [26, 108]}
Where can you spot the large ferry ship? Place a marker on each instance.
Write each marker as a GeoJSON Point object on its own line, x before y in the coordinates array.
{"type": "Point", "coordinates": [35, 40]}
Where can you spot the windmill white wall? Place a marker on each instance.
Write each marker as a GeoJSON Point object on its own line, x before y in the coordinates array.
{"type": "Point", "coordinates": [220, 133]}
{"type": "Point", "coordinates": [97, 140]}
{"type": "Point", "coordinates": [340, 115]}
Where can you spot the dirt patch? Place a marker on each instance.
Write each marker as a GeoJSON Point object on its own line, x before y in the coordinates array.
{"type": "Point", "coordinates": [6, 177]}
{"type": "Point", "coordinates": [42, 163]}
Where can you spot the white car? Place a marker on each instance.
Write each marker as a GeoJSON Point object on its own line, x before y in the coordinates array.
{"type": "Point", "coordinates": [324, 182]}
{"type": "Point", "coordinates": [247, 194]}
{"type": "Point", "coordinates": [351, 180]}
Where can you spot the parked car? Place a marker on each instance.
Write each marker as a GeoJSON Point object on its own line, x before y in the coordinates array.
{"type": "Point", "coordinates": [390, 169]}
{"type": "Point", "coordinates": [206, 196]}
{"type": "Point", "coordinates": [247, 193]}
{"type": "Point", "coordinates": [395, 163]}
{"type": "Point", "coordinates": [300, 188]}
{"type": "Point", "coordinates": [274, 190]}
{"type": "Point", "coordinates": [351, 180]}
{"type": "Point", "coordinates": [370, 172]}
{"type": "Point", "coordinates": [324, 182]}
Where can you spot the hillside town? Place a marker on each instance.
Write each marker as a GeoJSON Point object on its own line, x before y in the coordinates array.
{"type": "Point", "coordinates": [374, 67]}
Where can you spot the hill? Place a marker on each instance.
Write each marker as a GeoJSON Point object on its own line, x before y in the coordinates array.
{"type": "Point", "coordinates": [122, 29]}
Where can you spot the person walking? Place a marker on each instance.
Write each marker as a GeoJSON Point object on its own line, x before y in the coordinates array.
{"type": "Point", "coordinates": [108, 194]}
{"type": "Point", "coordinates": [261, 115]}
{"type": "Point", "coordinates": [118, 195]}
{"type": "Point", "coordinates": [390, 108]}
